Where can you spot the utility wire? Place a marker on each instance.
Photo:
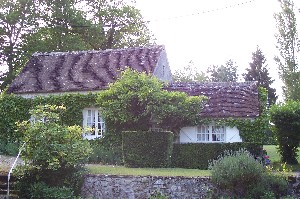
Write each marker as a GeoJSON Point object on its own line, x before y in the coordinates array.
{"type": "Point", "coordinates": [201, 12]}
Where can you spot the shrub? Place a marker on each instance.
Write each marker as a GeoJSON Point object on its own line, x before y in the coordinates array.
{"type": "Point", "coordinates": [240, 175]}
{"type": "Point", "coordinates": [42, 190]}
{"type": "Point", "coordinates": [147, 148]}
{"type": "Point", "coordinates": [53, 153]}
{"type": "Point", "coordinates": [286, 118]}
{"type": "Point", "coordinates": [106, 150]}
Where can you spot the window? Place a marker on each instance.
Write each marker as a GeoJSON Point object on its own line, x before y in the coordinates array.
{"type": "Point", "coordinates": [92, 119]}
{"type": "Point", "coordinates": [218, 133]}
{"type": "Point", "coordinates": [207, 133]}
{"type": "Point", "coordinates": [203, 134]}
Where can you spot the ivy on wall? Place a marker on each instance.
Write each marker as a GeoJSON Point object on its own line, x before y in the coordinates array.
{"type": "Point", "coordinates": [15, 108]}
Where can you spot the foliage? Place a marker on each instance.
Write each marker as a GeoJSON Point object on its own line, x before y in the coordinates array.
{"type": "Point", "coordinates": [12, 109]}
{"type": "Point", "coordinates": [17, 18]}
{"type": "Point", "coordinates": [136, 101]}
{"type": "Point", "coordinates": [107, 150]}
{"type": "Point", "coordinates": [189, 74]}
{"type": "Point", "coordinates": [288, 47]}
{"type": "Point", "coordinates": [256, 130]}
{"type": "Point", "coordinates": [119, 24]}
{"type": "Point", "coordinates": [74, 104]}
{"type": "Point", "coordinates": [66, 25]}
{"type": "Point", "coordinates": [42, 190]}
{"type": "Point", "coordinates": [240, 175]}
{"type": "Point", "coordinates": [158, 195]}
{"type": "Point", "coordinates": [147, 148]}
{"type": "Point", "coordinates": [199, 155]}
{"type": "Point", "coordinates": [52, 151]}
{"type": "Point", "coordinates": [286, 118]}
{"type": "Point", "coordinates": [223, 73]}
{"type": "Point", "coordinates": [258, 71]}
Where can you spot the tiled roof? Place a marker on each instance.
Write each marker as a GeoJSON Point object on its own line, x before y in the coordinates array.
{"type": "Point", "coordinates": [81, 71]}
{"type": "Point", "coordinates": [226, 99]}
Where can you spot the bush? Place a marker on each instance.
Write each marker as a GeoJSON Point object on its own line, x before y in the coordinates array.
{"type": "Point", "coordinates": [286, 118]}
{"type": "Point", "coordinates": [239, 175]}
{"type": "Point", "coordinates": [147, 148]}
{"type": "Point", "coordinates": [41, 190]}
{"type": "Point", "coordinates": [54, 154]}
{"type": "Point", "coordinates": [198, 155]}
{"type": "Point", "coordinates": [106, 150]}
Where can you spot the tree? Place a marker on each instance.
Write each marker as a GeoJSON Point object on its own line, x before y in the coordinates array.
{"type": "Point", "coordinates": [68, 25]}
{"type": "Point", "coordinates": [223, 73]}
{"type": "Point", "coordinates": [137, 101]}
{"type": "Point", "coordinates": [258, 71]}
{"type": "Point", "coordinates": [288, 46]}
{"type": "Point", "coordinates": [120, 24]}
{"type": "Point", "coordinates": [17, 18]}
{"type": "Point", "coordinates": [286, 118]}
{"type": "Point", "coordinates": [189, 74]}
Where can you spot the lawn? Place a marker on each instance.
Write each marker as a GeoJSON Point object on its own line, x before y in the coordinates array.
{"type": "Point", "coordinates": [121, 170]}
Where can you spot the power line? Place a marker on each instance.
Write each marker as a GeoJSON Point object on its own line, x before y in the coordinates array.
{"type": "Point", "coordinates": [202, 12]}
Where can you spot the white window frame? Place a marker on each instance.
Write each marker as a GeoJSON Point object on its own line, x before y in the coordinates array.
{"type": "Point", "coordinates": [211, 134]}
{"type": "Point", "coordinates": [92, 119]}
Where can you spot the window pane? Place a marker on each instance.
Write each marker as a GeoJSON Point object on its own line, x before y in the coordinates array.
{"type": "Point", "coordinates": [218, 133]}
{"type": "Point", "coordinates": [202, 134]}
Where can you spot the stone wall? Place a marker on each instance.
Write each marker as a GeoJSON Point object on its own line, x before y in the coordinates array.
{"type": "Point", "coordinates": [142, 187]}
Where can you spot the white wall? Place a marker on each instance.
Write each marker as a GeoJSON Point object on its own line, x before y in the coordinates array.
{"type": "Point", "coordinates": [189, 135]}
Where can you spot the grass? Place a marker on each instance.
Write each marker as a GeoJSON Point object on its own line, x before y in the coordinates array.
{"type": "Point", "coordinates": [121, 170]}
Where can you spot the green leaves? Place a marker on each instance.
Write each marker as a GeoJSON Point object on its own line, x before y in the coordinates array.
{"type": "Point", "coordinates": [288, 47]}
{"type": "Point", "coordinates": [286, 118]}
{"type": "Point", "coordinates": [137, 101]}
{"type": "Point", "coordinates": [49, 145]}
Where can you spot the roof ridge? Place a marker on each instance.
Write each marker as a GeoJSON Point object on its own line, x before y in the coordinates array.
{"type": "Point", "coordinates": [95, 51]}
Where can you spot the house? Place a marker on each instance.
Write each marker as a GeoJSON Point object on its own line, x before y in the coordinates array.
{"type": "Point", "coordinates": [226, 100]}
{"type": "Point", "coordinates": [58, 73]}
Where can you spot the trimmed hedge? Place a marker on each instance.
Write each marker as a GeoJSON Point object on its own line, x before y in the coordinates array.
{"type": "Point", "coordinates": [198, 155]}
{"type": "Point", "coordinates": [147, 148]}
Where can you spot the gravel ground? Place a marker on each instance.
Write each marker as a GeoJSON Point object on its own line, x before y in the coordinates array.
{"type": "Point", "coordinates": [7, 161]}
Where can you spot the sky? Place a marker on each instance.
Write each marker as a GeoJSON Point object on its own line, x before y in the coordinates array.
{"type": "Point", "coordinates": [212, 32]}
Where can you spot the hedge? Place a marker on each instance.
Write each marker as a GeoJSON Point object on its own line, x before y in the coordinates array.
{"type": "Point", "coordinates": [147, 148]}
{"type": "Point", "coordinates": [198, 155]}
